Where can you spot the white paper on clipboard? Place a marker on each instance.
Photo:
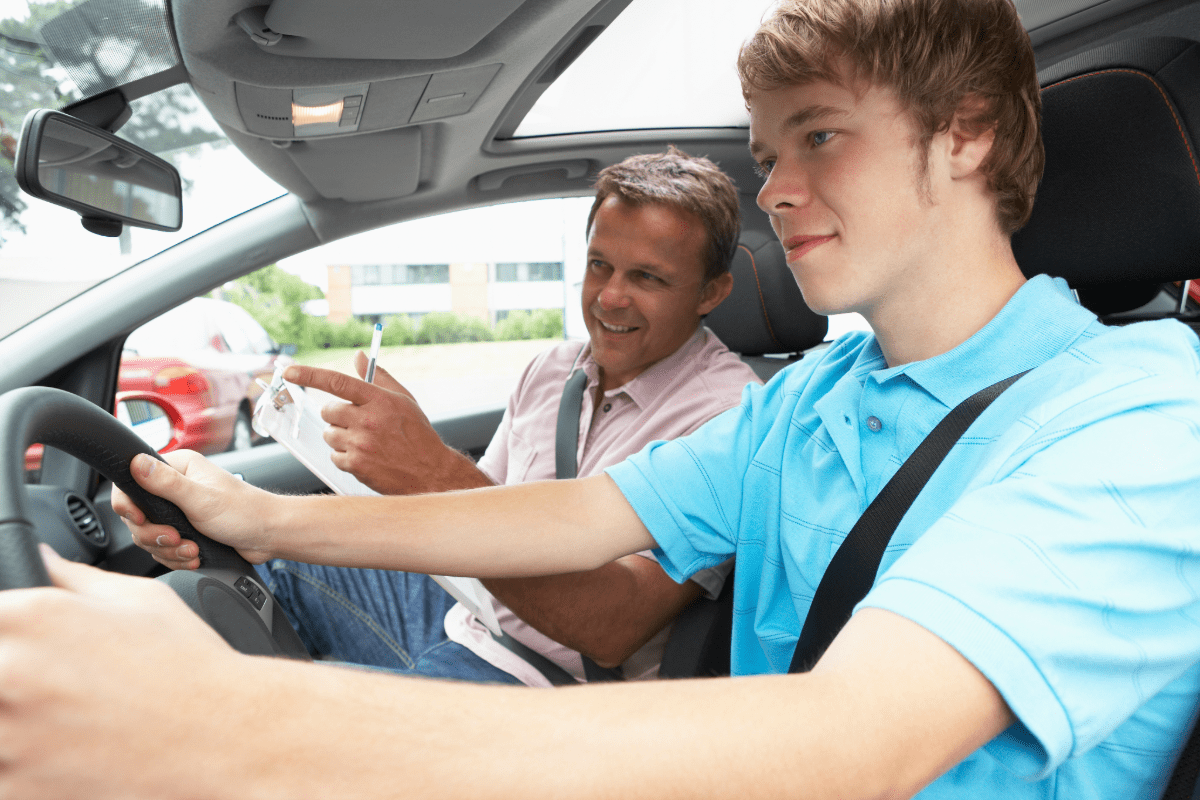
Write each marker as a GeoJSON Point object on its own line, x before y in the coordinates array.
{"type": "Point", "coordinates": [285, 414]}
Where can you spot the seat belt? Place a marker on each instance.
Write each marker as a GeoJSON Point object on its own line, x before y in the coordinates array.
{"type": "Point", "coordinates": [1185, 778]}
{"type": "Point", "coordinates": [566, 465]}
{"type": "Point", "coordinates": [851, 573]}
{"type": "Point", "coordinates": [566, 434]}
{"type": "Point", "coordinates": [566, 444]}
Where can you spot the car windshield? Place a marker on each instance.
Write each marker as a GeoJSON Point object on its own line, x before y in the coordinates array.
{"type": "Point", "coordinates": [46, 257]}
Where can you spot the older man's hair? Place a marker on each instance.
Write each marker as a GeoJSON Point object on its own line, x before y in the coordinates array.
{"type": "Point", "coordinates": [938, 56]}
{"type": "Point", "coordinates": [687, 183]}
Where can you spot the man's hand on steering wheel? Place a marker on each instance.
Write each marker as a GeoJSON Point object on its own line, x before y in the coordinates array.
{"type": "Point", "coordinates": [76, 668]}
{"type": "Point", "coordinates": [218, 504]}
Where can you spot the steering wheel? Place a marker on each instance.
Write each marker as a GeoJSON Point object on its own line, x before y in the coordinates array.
{"type": "Point", "coordinates": [225, 591]}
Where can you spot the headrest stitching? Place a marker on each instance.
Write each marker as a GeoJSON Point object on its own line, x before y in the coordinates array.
{"type": "Point", "coordinates": [762, 302]}
{"type": "Point", "coordinates": [1166, 99]}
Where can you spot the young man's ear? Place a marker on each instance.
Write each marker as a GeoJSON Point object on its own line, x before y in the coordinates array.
{"type": "Point", "coordinates": [970, 141]}
{"type": "Point", "coordinates": [714, 292]}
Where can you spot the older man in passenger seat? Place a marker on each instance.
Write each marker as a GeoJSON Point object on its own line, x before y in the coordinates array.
{"type": "Point", "coordinates": [661, 235]}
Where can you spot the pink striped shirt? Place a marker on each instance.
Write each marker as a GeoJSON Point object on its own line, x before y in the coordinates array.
{"type": "Point", "coordinates": [671, 398]}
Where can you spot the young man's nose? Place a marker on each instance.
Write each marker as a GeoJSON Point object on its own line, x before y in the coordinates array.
{"type": "Point", "coordinates": [783, 190]}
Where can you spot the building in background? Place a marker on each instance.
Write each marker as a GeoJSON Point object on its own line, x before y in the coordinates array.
{"type": "Point", "coordinates": [483, 263]}
{"type": "Point", "coordinates": [484, 290]}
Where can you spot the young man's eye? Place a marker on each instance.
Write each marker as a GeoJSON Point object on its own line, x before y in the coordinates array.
{"type": "Point", "coordinates": [820, 137]}
{"type": "Point", "coordinates": [763, 168]}
{"type": "Point", "coordinates": [649, 276]}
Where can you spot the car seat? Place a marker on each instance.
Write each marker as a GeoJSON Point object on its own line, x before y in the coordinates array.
{"type": "Point", "coordinates": [1117, 209]}
{"type": "Point", "coordinates": [764, 319]}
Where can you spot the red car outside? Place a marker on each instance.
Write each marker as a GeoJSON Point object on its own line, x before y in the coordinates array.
{"type": "Point", "coordinates": [199, 361]}
{"type": "Point", "coordinates": [198, 364]}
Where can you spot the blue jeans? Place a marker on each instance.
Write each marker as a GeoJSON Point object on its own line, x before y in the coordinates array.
{"type": "Point", "coordinates": [387, 620]}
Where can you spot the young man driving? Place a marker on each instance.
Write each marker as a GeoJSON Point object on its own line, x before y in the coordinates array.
{"type": "Point", "coordinates": [1032, 630]}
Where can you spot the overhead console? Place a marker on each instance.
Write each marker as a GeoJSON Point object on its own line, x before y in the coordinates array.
{"type": "Point", "coordinates": [379, 105]}
{"type": "Point", "coordinates": [341, 100]}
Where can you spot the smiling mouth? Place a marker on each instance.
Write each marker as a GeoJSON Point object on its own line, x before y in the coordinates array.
{"type": "Point", "coordinates": [615, 328]}
{"type": "Point", "coordinates": [798, 246]}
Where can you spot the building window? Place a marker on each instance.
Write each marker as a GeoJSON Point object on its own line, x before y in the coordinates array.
{"type": "Point", "coordinates": [421, 273]}
{"type": "Point", "coordinates": [535, 271]}
{"type": "Point", "coordinates": [365, 275]}
{"type": "Point", "coordinates": [398, 274]}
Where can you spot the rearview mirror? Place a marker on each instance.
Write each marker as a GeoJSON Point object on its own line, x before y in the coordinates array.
{"type": "Point", "coordinates": [110, 182]}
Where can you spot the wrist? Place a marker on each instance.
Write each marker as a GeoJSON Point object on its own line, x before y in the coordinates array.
{"type": "Point", "coordinates": [273, 512]}
{"type": "Point", "coordinates": [462, 472]}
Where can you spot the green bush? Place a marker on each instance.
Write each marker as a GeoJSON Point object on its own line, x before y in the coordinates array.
{"type": "Point", "coordinates": [445, 327]}
{"type": "Point", "coordinates": [321, 333]}
{"type": "Point", "coordinates": [544, 323]}
{"type": "Point", "coordinates": [398, 330]}
{"type": "Point", "coordinates": [352, 333]}
{"type": "Point", "coordinates": [514, 326]}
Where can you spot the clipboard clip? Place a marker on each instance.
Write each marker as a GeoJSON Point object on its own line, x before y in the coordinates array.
{"type": "Point", "coordinates": [276, 391]}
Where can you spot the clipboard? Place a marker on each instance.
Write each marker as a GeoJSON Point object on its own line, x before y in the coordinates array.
{"type": "Point", "coordinates": [286, 415]}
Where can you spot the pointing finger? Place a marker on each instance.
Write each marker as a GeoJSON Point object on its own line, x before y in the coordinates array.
{"type": "Point", "coordinates": [336, 383]}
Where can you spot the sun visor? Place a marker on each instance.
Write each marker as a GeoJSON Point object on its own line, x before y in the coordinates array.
{"type": "Point", "coordinates": [383, 29]}
{"type": "Point", "coordinates": [371, 166]}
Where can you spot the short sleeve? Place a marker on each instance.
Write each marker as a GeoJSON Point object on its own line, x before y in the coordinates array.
{"type": "Point", "coordinates": [494, 461]}
{"type": "Point", "coordinates": [1072, 580]}
{"type": "Point", "coordinates": [687, 492]}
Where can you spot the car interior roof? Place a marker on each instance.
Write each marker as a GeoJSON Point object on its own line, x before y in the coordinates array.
{"type": "Point", "coordinates": [397, 166]}
{"type": "Point", "coordinates": [459, 162]}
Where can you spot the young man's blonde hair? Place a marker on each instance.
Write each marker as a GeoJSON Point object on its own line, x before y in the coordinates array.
{"type": "Point", "coordinates": [934, 54]}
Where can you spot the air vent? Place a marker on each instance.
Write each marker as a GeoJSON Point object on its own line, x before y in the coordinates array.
{"type": "Point", "coordinates": [86, 520]}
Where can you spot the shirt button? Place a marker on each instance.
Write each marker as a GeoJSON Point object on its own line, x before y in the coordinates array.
{"type": "Point", "coordinates": [607, 407]}
{"type": "Point", "coordinates": [874, 424]}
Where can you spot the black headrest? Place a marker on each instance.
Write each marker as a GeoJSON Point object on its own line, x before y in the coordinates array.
{"type": "Point", "coordinates": [765, 312]}
{"type": "Point", "coordinates": [1118, 210]}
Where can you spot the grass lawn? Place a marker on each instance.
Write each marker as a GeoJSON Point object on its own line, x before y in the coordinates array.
{"type": "Point", "coordinates": [446, 379]}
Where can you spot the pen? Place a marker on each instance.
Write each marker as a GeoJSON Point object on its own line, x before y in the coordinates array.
{"type": "Point", "coordinates": [376, 338]}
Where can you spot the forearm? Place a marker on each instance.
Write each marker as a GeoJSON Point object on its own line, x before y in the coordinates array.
{"type": "Point", "coordinates": [371, 736]}
{"type": "Point", "coordinates": [531, 529]}
{"type": "Point", "coordinates": [607, 613]}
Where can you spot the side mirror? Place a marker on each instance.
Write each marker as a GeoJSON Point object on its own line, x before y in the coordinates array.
{"type": "Point", "coordinates": [110, 182]}
{"type": "Point", "coordinates": [150, 417]}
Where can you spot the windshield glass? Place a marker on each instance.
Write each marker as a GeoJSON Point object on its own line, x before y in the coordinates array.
{"type": "Point", "coordinates": [48, 50]}
{"type": "Point", "coordinates": [660, 64]}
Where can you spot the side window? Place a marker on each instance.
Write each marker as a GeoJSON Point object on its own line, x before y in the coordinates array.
{"type": "Point", "coordinates": [466, 299]}
{"type": "Point", "coordinates": [188, 378]}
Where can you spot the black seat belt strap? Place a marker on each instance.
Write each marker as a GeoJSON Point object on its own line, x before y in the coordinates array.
{"type": "Point", "coordinates": [851, 573]}
{"type": "Point", "coordinates": [1185, 777]}
{"type": "Point", "coordinates": [566, 465]}
{"type": "Point", "coordinates": [566, 434]}
{"type": "Point", "coordinates": [552, 672]}
{"type": "Point", "coordinates": [566, 446]}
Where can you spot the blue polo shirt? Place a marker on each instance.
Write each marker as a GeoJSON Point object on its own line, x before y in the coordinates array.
{"type": "Point", "coordinates": [1057, 547]}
